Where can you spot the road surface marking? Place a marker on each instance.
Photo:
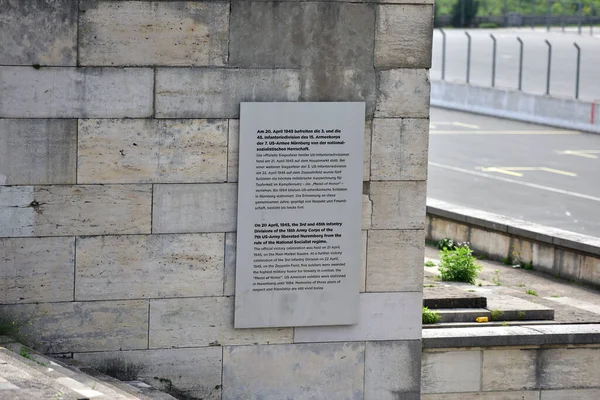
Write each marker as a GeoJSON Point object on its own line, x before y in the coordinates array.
{"type": "Point", "coordinates": [487, 132]}
{"type": "Point", "coordinates": [581, 153]}
{"type": "Point", "coordinates": [509, 180]}
{"type": "Point", "coordinates": [576, 303]}
{"type": "Point", "coordinates": [511, 170]}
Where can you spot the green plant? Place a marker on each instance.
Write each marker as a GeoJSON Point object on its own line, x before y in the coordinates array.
{"type": "Point", "coordinates": [36, 66]}
{"type": "Point", "coordinates": [521, 315]}
{"type": "Point", "coordinates": [531, 292]}
{"type": "Point", "coordinates": [479, 284]}
{"type": "Point", "coordinates": [24, 353]}
{"type": "Point", "coordinates": [521, 285]}
{"type": "Point", "coordinates": [464, 12]}
{"type": "Point", "coordinates": [431, 243]}
{"type": "Point", "coordinates": [430, 316]}
{"type": "Point", "coordinates": [445, 243]}
{"type": "Point", "coordinates": [496, 278]}
{"type": "Point", "coordinates": [507, 261]}
{"type": "Point", "coordinates": [430, 285]}
{"type": "Point", "coordinates": [556, 296]}
{"type": "Point", "coordinates": [458, 265]}
{"type": "Point", "coordinates": [528, 266]}
{"type": "Point", "coordinates": [504, 323]}
{"type": "Point", "coordinates": [488, 25]}
{"type": "Point", "coordinates": [496, 315]}
{"type": "Point", "coordinates": [429, 263]}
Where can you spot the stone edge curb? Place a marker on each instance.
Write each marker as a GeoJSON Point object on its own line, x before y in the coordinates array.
{"type": "Point", "coordinates": [527, 335]}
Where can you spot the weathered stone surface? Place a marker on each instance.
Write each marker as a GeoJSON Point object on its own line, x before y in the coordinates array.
{"type": "Point", "coordinates": [204, 321]}
{"type": "Point", "coordinates": [34, 151]}
{"type": "Point", "coordinates": [182, 33]}
{"type": "Point", "coordinates": [395, 260]}
{"type": "Point", "coordinates": [510, 395]}
{"type": "Point", "coordinates": [36, 269]}
{"type": "Point", "coordinates": [363, 263]}
{"type": "Point", "coordinates": [300, 371]}
{"type": "Point", "coordinates": [403, 36]}
{"type": "Point", "coordinates": [217, 93]}
{"type": "Point", "coordinates": [509, 369]}
{"type": "Point", "coordinates": [149, 266]}
{"type": "Point", "coordinates": [522, 250]}
{"type": "Point", "coordinates": [367, 212]}
{"type": "Point", "coordinates": [569, 368]}
{"type": "Point", "coordinates": [152, 151]}
{"type": "Point", "coordinates": [194, 208]}
{"type": "Point", "coordinates": [74, 210]}
{"type": "Point", "coordinates": [38, 32]}
{"type": "Point", "coordinates": [367, 150]}
{"type": "Point", "coordinates": [83, 326]}
{"type": "Point", "coordinates": [589, 270]}
{"type": "Point", "coordinates": [301, 34]}
{"type": "Point", "coordinates": [381, 316]}
{"type": "Point", "coordinates": [75, 92]}
{"type": "Point", "coordinates": [440, 228]}
{"type": "Point", "coordinates": [403, 93]}
{"type": "Point", "coordinates": [193, 373]}
{"type": "Point", "coordinates": [451, 371]}
{"type": "Point", "coordinates": [582, 394]}
{"type": "Point", "coordinates": [230, 262]}
{"type": "Point", "coordinates": [482, 337]}
{"type": "Point", "coordinates": [543, 257]}
{"type": "Point", "coordinates": [493, 244]}
{"type": "Point", "coordinates": [233, 148]}
{"type": "Point", "coordinates": [569, 265]}
{"type": "Point", "coordinates": [398, 205]}
{"type": "Point", "coordinates": [392, 369]}
{"type": "Point", "coordinates": [399, 149]}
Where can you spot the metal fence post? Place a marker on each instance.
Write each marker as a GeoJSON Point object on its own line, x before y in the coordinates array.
{"type": "Point", "coordinates": [549, 66]}
{"type": "Point", "coordinates": [468, 56]}
{"type": "Point", "coordinates": [493, 61]}
{"type": "Point", "coordinates": [577, 73]}
{"type": "Point", "coordinates": [520, 62]}
{"type": "Point", "coordinates": [443, 53]}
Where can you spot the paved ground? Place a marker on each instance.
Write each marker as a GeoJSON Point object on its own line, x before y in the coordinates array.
{"type": "Point", "coordinates": [530, 172]}
{"type": "Point", "coordinates": [534, 60]}
{"type": "Point", "coordinates": [572, 303]}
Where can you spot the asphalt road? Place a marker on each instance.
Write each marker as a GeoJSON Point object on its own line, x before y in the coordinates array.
{"type": "Point", "coordinates": [563, 67]}
{"type": "Point", "coordinates": [530, 172]}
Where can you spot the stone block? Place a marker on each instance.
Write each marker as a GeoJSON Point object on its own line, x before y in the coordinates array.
{"type": "Point", "coordinates": [217, 93]}
{"type": "Point", "coordinates": [194, 208]}
{"type": "Point", "coordinates": [589, 270]}
{"type": "Point", "coordinates": [149, 266]}
{"type": "Point", "coordinates": [36, 269]}
{"type": "Point", "coordinates": [543, 258]}
{"type": "Point", "coordinates": [403, 36]}
{"type": "Point", "coordinates": [82, 326]}
{"type": "Point", "coordinates": [204, 321]}
{"type": "Point", "coordinates": [443, 228]}
{"type": "Point", "coordinates": [193, 373]}
{"type": "Point", "coordinates": [395, 261]}
{"type": "Point", "coordinates": [37, 151]}
{"type": "Point", "coordinates": [451, 371]}
{"type": "Point", "coordinates": [510, 395]}
{"type": "Point", "coordinates": [399, 149]}
{"type": "Point", "coordinates": [482, 337]}
{"type": "Point", "coordinates": [509, 369]}
{"type": "Point", "coordinates": [152, 151]}
{"type": "Point", "coordinates": [270, 35]}
{"type": "Point", "coordinates": [76, 92]}
{"type": "Point", "coordinates": [403, 93]}
{"type": "Point", "coordinates": [398, 205]}
{"type": "Point", "coordinates": [493, 244]}
{"type": "Point", "coordinates": [233, 148]}
{"type": "Point", "coordinates": [297, 371]}
{"type": "Point", "coordinates": [182, 33]}
{"type": "Point", "coordinates": [363, 263]}
{"type": "Point", "coordinates": [522, 251]}
{"type": "Point", "coordinates": [230, 262]}
{"type": "Point", "coordinates": [381, 316]}
{"type": "Point", "coordinates": [569, 368]}
{"type": "Point", "coordinates": [569, 264]}
{"type": "Point", "coordinates": [579, 394]}
{"type": "Point", "coordinates": [38, 32]}
{"type": "Point", "coordinates": [392, 369]}
{"type": "Point", "coordinates": [74, 210]}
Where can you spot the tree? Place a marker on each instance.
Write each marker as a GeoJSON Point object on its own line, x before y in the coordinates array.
{"type": "Point", "coordinates": [470, 11]}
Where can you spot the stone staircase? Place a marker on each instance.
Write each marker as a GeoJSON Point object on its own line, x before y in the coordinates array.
{"type": "Point", "coordinates": [28, 375]}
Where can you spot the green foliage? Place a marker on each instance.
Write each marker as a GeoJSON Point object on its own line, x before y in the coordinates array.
{"type": "Point", "coordinates": [458, 265]}
{"type": "Point", "coordinates": [450, 244]}
{"type": "Point", "coordinates": [507, 261]}
{"type": "Point", "coordinates": [488, 25]}
{"type": "Point", "coordinates": [528, 266]}
{"type": "Point", "coordinates": [521, 315]}
{"type": "Point", "coordinates": [470, 8]}
{"type": "Point", "coordinates": [429, 263]}
{"type": "Point", "coordinates": [496, 315]}
{"type": "Point", "coordinates": [430, 316]}
{"type": "Point", "coordinates": [537, 7]}
{"type": "Point", "coordinates": [531, 292]}
{"type": "Point", "coordinates": [496, 278]}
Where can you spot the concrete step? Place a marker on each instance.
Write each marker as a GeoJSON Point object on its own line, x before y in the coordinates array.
{"type": "Point", "coordinates": [72, 377]}
{"type": "Point", "coordinates": [441, 297]}
{"type": "Point", "coordinates": [462, 314]}
{"type": "Point", "coordinates": [508, 308]}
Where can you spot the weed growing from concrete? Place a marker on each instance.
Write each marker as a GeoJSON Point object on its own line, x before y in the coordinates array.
{"type": "Point", "coordinates": [556, 296]}
{"type": "Point", "coordinates": [458, 265]}
{"type": "Point", "coordinates": [429, 263]}
{"type": "Point", "coordinates": [496, 315]}
{"type": "Point", "coordinates": [507, 261]}
{"type": "Point", "coordinates": [430, 316]}
{"type": "Point", "coordinates": [521, 315]}
{"type": "Point", "coordinates": [496, 278]}
{"type": "Point", "coordinates": [531, 292]}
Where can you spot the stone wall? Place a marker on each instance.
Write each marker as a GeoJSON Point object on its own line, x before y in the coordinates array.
{"type": "Point", "coordinates": [118, 180]}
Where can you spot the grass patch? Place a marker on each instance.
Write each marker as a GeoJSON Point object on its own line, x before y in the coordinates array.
{"type": "Point", "coordinates": [458, 265]}
{"type": "Point", "coordinates": [556, 296]}
{"type": "Point", "coordinates": [496, 315]}
{"type": "Point", "coordinates": [521, 315]}
{"type": "Point", "coordinates": [23, 353]}
{"type": "Point", "coordinates": [429, 263]}
{"type": "Point", "coordinates": [430, 316]}
{"type": "Point", "coordinates": [531, 292]}
{"type": "Point", "coordinates": [507, 261]}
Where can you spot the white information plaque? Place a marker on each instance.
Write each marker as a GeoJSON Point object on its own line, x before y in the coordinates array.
{"type": "Point", "coordinates": [299, 214]}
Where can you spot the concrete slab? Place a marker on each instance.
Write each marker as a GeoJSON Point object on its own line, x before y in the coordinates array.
{"type": "Point", "coordinates": [481, 337]}
{"type": "Point", "coordinates": [452, 297]}
{"type": "Point", "coordinates": [463, 314]}
{"type": "Point", "coordinates": [507, 308]}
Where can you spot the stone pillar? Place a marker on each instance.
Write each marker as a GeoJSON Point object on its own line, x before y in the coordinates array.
{"type": "Point", "coordinates": [118, 186]}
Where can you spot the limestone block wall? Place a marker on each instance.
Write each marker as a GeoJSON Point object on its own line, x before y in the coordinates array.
{"type": "Point", "coordinates": [118, 186]}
